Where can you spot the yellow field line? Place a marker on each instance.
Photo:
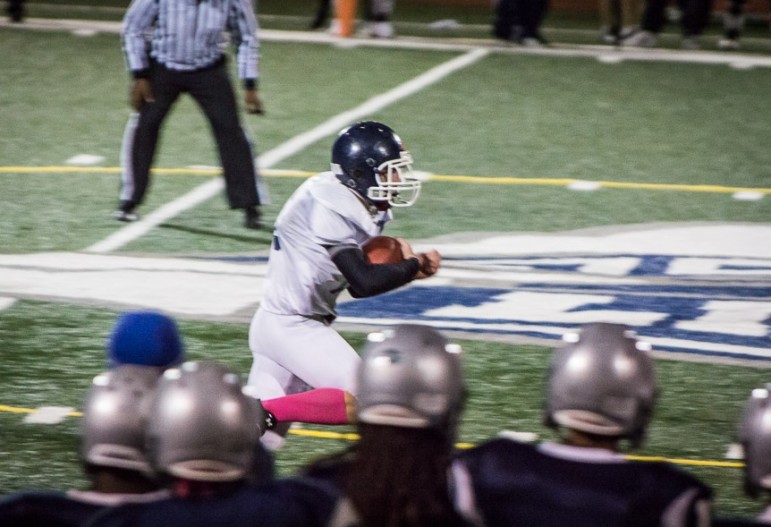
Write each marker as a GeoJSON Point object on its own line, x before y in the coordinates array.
{"type": "Point", "coordinates": [350, 436]}
{"type": "Point", "coordinates": [483, 180]}
{"type": "Point", "coordinates": [692, 462]}
{"type": "Point", "coordinates": [563, 182]}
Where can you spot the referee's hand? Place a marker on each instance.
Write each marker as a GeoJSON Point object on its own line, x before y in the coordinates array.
{"type": "Point", "coordinates": [141, 93]}
{"type": "Point", "coordinates": [252, 102]}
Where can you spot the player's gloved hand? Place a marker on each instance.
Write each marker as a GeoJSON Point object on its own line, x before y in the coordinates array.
{"type": "Point", "coordinates": [252, 102]}
{"type": "Point", "coordinates": [141, 93]}
{"type": "Point", "coordinates": [429, 264]}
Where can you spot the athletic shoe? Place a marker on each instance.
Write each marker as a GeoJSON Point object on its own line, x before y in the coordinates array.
{"type": "Point", "coordinates": [728, 44]}
{"type": "Point", "coordinates": [640, 39]}
{"type": "Point", "coordinates": [125, 215]}
{"type": "Point", "coordinates": [382, 29]}
{"type": "Point", "coordinates": [252, 218]}
{"type": "Point", "coordinates": [690, 43]}
{"type": "Point", "coordinates": [532, 42]}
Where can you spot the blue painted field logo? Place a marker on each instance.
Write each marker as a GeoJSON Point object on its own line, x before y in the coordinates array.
{"type": "Point", "coordinates": [697, 290]}
{"type": "Point", "coordinates": [688, 288]}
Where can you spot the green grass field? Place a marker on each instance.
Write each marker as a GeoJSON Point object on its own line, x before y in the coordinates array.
{"type": "Point", "coordinates": [508, 115]}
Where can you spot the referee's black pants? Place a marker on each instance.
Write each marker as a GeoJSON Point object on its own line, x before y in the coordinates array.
{"type": "Point", "coordinates": [212, 90]}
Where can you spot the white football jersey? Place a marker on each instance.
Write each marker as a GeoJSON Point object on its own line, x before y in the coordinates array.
{"type": "Point", "coordinates": [322, 213]}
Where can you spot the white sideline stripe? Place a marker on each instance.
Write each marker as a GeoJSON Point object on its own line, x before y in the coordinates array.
{"type": "Point", "coordinates": [6, 302]}
{"type": "Point", "coordinates": [734, 60]}
{"type": "Point", "coordinates": [285, 150]}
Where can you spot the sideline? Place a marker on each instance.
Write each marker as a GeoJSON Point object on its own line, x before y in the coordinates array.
{"type": "Point", "coordinates": [606, 54]}
{"type": "Point", "coordinates": [287, 149]}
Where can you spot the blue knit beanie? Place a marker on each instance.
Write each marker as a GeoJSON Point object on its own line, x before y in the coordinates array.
{"type": "Point", "coordinates": [145, 338]}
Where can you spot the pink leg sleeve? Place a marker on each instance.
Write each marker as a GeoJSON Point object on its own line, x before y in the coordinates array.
{"type": "Point", "coordinates": [320, 406]}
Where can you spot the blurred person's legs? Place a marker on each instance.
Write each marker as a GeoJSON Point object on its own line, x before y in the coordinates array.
{"type": "Point", "coordinates": [16, 10]}
{"type": "Point", "coordinates": [506, 20]}
{"type": "Point", "coordinates": [610, 13]}
{"type": "Point", "coordinates": [695, 18]}
{"type": "Point", "coordinates": [378, 17]}
{"type": "Point", "coordinates": [631, 11]}
{"type": "Point", "coordinates": [653, 20]}
{"type": "Point", "coordinates": [733, 23]}
{"type": "Point", "coordinates": [533, 14]}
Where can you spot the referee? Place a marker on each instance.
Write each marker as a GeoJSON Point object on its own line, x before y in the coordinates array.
{"type": "Point", "coordinates": [173, 47]}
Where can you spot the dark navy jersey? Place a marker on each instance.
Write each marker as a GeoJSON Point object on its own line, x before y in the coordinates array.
{"type": "Point", "coordinates": [284, 503]}
{"type": "Point", "coordinates": [50, 509]}
{"type": "Point", "coordinates": [517, 484]}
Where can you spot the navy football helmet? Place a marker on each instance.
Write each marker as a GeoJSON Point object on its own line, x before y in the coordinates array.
{"type": "Point", "coordinates": [369, 158]}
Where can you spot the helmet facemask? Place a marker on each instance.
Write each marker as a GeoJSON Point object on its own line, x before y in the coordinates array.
{"type": "Point", "coordinates": [396, 183]}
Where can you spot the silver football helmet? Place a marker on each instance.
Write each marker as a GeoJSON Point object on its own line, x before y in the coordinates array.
{"type": "Point", "coordinates": [410, 376]}
{"type": "Point", "coordinates": [115, 412]}
{"type": "Point", "coordinates": [203, 426]}
{"type": "Point", "coordinates": [755, 437]}
{"type": "Point", "coordinates": [602, 382]}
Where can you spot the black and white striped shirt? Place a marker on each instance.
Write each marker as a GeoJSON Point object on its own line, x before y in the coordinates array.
{"type": "Point", "coordinates": [187, 35]}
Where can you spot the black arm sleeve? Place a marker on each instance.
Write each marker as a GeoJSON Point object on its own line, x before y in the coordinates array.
{"type": "Point", "coordinates": [366, 279]}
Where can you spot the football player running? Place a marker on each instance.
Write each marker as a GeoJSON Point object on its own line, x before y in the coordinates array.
{"type": "Point", "coordinates": [316, 255]}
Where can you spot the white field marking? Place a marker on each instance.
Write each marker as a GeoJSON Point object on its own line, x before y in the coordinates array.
{"type": "Point", "coordinates": [48, 415]}
{"type": "Point", "coordinates": [6, 302]}
{"type": "Point", "coordinates": [287, 149]}
{"type": "Point", "coordinates": [84, 32]}
{"type": "Point", "coordinates": [747, 196]}
{"type": "Point", "coordinates": [610, 59]}
{"type": "Point", "coordinates": [374, 104]}
{"type": "Point", "coordinates": [84, 160]}
{"type": "Point", "coordinates": [734, 451]}
{"type": "Point", "coordinates": [584, 186]}
{"type": "Point", "coordinates": [741, 65]}
{"type": "Point", "coordinates": [518, 436]}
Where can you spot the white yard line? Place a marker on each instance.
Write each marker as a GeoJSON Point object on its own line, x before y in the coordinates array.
{"type": "Point", "coordinates": [296, 144]}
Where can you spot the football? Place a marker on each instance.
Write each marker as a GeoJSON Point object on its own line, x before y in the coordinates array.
{"type": "Point", "coordinates": [383, 250]}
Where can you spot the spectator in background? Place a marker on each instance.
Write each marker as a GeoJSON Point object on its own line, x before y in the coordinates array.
{"type": "Point", "coordinates": [601, 389]}
{"type": "Point", "coordinates": [202, 438]}
{"type": "Point", "coordinates": [112, 452]}
{"type": "Point", "coordinates": [733, 24]}
{"type": "Point", "coordinates": [378, 15]}
{"type": "Point", "coordinates": [15, 10]}
{"type": "Point", "coordinates": [694, 18]}
{"type": "Point", "coordinates": [619, 19]}
{"type": "Point", "coordinates": [411, 395]}
{"type": "Point", "coordinates": [185, 55]}
{"type": "Point", "coordinates": [520, 21]}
